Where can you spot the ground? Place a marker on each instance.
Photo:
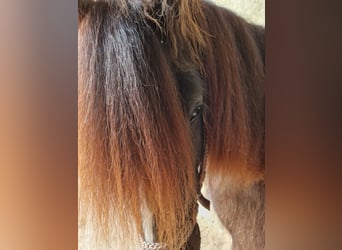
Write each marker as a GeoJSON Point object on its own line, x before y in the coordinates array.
{"type": "Point", "coordinates": [213, 235]}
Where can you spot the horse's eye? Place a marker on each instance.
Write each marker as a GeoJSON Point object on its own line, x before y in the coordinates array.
{"type": "Point", "coordinates": [197, 111]}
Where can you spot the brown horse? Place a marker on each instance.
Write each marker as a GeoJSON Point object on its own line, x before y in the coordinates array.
{"type": "Point", "coordinates": [168, 90]}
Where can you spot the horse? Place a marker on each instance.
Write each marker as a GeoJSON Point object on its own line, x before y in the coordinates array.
{"type": "Point", "coordinates": [170, 92]}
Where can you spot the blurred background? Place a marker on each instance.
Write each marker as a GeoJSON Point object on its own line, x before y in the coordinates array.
{"type": "Point", "coordinates": [251, 10]}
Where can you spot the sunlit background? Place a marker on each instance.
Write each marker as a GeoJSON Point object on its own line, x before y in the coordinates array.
{"type": "Point", "coordinates": [251, 10]}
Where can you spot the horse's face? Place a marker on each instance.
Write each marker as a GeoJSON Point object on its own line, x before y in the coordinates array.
{"type": "Point", "coordinates": [191, 89]}
{"type": "Point", "coordinates": [141, 133]}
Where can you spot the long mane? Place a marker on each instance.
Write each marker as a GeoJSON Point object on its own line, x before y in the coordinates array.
{"type": "Point", "coordinates": [134, 142]}
{"type": "Point", "coordinates": [234, 69]}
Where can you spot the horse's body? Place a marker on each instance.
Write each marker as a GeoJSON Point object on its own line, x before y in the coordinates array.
{"type": "Point", "coordinates": [168, 89]}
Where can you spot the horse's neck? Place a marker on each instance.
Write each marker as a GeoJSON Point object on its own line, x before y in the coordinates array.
{"type": "Point", "coordinates": [241, 210]}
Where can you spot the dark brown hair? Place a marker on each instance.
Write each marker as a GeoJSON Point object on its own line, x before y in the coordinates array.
{"type": "Point", "coordinates": [134, 142]}
{"type": "Point", "coordinates": [234, 70]}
